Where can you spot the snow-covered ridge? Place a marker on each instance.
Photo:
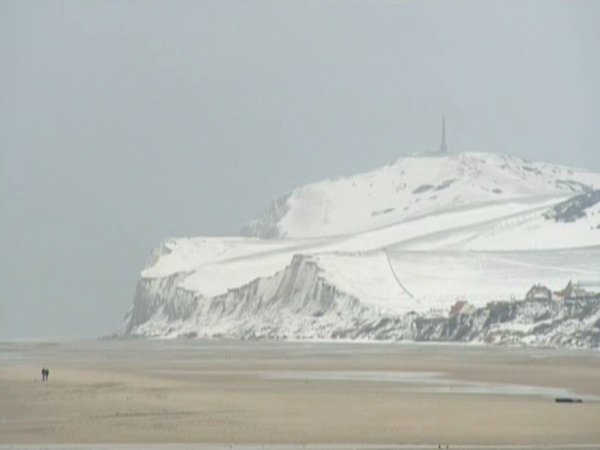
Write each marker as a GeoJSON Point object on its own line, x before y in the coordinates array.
{"type": "Point", "coordinates": [411, 187]}
{"type": "Point", "coordinates": [404, 241]}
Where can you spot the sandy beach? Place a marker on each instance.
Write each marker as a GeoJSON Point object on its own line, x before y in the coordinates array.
{"type": "Point", "coordinates": [254, 393]}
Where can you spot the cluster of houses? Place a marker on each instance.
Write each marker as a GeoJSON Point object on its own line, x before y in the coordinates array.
{"type": "Point", "coordinates": [462, 307]}
{"type": "Point", "coordinates": [572, 291]}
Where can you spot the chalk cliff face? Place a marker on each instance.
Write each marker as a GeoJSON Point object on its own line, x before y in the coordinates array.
{"type": "Point", "coordinates": [574, 323]}
{"type": "Point", "coordinates": [295, 302]}
{"type": "Point", "coordinates": [384, 255]}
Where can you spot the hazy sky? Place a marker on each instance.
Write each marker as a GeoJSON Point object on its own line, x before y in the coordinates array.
{"type": "Point", "coordinates": [125, 122]}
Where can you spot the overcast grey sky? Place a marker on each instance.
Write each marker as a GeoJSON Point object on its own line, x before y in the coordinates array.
{"type": "Point", "coordinates": [125, 122]}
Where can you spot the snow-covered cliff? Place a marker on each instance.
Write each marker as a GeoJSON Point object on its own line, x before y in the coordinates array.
{"type": "Point", "coordinates": [383, 255]}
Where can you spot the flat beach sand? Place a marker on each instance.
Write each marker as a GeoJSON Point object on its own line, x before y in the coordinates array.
{"type": "Point", "coordinates": [234, 393]}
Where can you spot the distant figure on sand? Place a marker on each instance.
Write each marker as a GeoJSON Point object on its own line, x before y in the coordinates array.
{"type": "Point", "coordinates": [45, 373]}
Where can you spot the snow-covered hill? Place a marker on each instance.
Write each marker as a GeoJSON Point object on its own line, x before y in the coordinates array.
{"type": "Point", "coordinates": [409, 188]}
{"type": "Point", "coordinates": [404, 241]}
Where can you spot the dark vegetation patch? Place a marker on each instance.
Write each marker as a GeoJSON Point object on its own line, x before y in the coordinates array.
{"type": "Point", "coordinates": [534, 170]}
{"type": "Point", "coordinates": [574, 208]}
{"type": "Point", "coordinates": [572, 185]}
{"type": "Point", "coordinates": [382, 211]}
{"type": "Point", "coordinates": [422, 188]}
{"type": "Point", "coordinates": [446, 184]}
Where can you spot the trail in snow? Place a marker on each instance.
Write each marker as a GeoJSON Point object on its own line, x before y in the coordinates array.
{"type": "Point", "coordinates": [387, 256]}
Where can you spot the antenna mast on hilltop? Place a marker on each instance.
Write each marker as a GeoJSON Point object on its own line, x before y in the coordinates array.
{"type": "Point", "coordinates": [443, 146]}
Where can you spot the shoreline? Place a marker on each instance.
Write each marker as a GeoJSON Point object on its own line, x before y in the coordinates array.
{"type": "Point", "coordinates": [247, 394]}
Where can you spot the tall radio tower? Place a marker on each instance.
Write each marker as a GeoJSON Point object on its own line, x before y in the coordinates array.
{"type": "Point", "coordinates": [443, 146]}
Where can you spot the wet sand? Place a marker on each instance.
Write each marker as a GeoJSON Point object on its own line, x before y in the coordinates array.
{"type": "Point", "coordinates": [234, 393]}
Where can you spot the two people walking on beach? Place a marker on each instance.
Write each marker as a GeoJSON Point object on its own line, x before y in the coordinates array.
{"type": "Point", "coordinates": [45, 373]}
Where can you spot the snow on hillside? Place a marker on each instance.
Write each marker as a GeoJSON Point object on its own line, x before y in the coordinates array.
{"type": "Point", "coordinates": [412, 237]}
{"type": "Point", "coordinates": [411, 187]}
